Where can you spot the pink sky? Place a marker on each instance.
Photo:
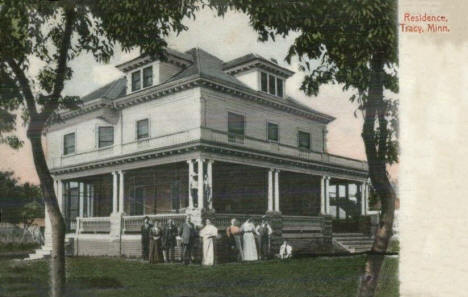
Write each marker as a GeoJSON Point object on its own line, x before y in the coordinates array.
{"type": "Point", "coordinates": [226, 38]}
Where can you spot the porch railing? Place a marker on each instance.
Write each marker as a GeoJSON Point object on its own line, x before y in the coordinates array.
{"type": "Point", "coordinates": [132, 224]}
{"type": "Point", "coordinates": [93, 225]}
{"type": "Point", "coordinates": [223, 220]}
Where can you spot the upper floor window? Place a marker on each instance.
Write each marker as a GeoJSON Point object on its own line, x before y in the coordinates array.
{"type": "Point", "coordinates": [69, 143]}
{"type": "Point", "coordinates": [105, 136]}
{"type": "Point", "coordinates": [136, 81]}
{"type": "Point", "coordinates": [236, 127]}
{"type": "Point", "coordinates": [142, 127]}
{"type": "Point", "coordinates": [303, 140]}
{"type": "Point", "coordinates": [147, 76]}
{"type": "Point", "coordinates": [272, 132]}
{"type": "Point", "coordinates": [271, 84]}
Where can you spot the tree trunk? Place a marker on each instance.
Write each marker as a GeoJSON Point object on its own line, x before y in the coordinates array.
{"type": "Point", "coordinates": [375, 108]}
{"type": "Point", "coordinates": [57, 259]}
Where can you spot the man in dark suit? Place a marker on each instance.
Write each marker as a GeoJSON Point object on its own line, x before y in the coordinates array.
{"type": "Point", "coordinates": [188, 234]}
{"type": "Point", "coordinates": [145, 236]}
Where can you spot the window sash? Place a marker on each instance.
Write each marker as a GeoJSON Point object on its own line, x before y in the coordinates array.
{"type": "Point", "coordinates": [279, 87]}
{"type": "Point", "coordinates": [303, 139]}
{"type": "Point", "coordinates": [147, 76]}
{"type": "Point", "coordinates": [264, 81]}
{"type": "Point", "coordinates": [136, 81]}
{"type": "Point", "coordinates": [142, 129]}
{"type": "Point", "coordinates": [106, 136]}
{"type": "Point", "coordinates": [273, 132]}
{"type": "Point", "coordinates": [69, 143]}
{"type": "Point", "coordinates": [236, 124]}
{"type": "Point", "coordinates": [271, 84]}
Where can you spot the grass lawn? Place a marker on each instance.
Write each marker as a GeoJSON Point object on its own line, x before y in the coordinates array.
{"type": "Point", "coordinates": [97, 277]}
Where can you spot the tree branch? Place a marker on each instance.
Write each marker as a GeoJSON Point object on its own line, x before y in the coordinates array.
{"type": "Point", "coordinates": [25, 87]}
{"type": "Point", "coordinates": [52, 104]}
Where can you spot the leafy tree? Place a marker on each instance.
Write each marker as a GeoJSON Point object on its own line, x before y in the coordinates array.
{"type": "Point", "coordinates": [352, 43]}
{"type": "Point", "coordinates": [56, 33]}
{"type": "Point", "coordinates": [19, 203]}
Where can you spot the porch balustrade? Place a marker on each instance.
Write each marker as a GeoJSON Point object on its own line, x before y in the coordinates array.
{"type": "Point", "coordinates": [93, 225]}
{"type": "Point", "coordinates": [222, 221]}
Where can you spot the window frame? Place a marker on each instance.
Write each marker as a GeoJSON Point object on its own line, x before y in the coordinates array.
{"type": "Point", "coordinates": [64, 151]}
{"type": "Point", "coordinates": [137, 137]}
{"type": "Point", "coordinates": [232, 136]}
{"type": "Point", "coordinates": [134, 88]}
{"type": "Point", "coordinates": [99, 146]}
{"type": "Point", "coordinates": [268, 132]}
{"type": "Point", "coordinates": [150, 68]}
{"type": "Point", "coordinates": [299, 131]}
{"type": "Point", "coordinates": [275, 79]}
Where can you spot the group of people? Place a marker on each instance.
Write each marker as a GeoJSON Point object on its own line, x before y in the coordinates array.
{"type": "Point", "coordinates": [247, 241]}
{"type": "Point", "coordinates": [253, 243]}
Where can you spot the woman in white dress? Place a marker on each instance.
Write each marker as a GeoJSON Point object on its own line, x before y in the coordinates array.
{"type": "Point", "coordinates": [208, 233]}
{"type": "Point", "coordinates": [248, 240]}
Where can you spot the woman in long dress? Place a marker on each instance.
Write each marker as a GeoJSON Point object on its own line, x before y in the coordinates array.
{"type": "Point", "coordinates": [248, 240]}
{"type": "Point", "coordinates": [155, 252]}
{"type": "Point", "coordinates": [208, 234]}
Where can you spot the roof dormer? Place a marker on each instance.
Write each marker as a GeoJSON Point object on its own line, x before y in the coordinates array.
{"type": "Point", "coordinates": [259, 74]}
{"type": "Point", "coordinates": [144, 71]}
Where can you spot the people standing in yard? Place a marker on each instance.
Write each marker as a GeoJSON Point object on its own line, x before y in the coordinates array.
{"type": "Point", "coordinates": [188, 234]}
{"type": "Point", "coordinates": [145, 237]}
{"type": "Point", "coordinates": [169, 241]}
{"type": "Point", "coordinates": [155, 252]}
{"type": "Point", "coordinates": [208, 234]}
{"type": "Point", "coordinates": [264, 232]}
{"type": "Point", "coordinates": [248, 241]}
{"type": "Point", "coordinates": [285, 251]}
{"type": "Point", "coordinates": [234, 236]}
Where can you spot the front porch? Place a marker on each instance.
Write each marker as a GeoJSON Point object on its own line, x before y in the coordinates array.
{"type": "Point", "coordinates": [110, 208]}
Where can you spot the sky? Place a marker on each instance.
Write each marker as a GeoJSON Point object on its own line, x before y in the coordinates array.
{"type": "Point", "coordinates": [227, 38]}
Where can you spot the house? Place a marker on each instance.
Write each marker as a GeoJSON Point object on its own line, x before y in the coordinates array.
{"type": "Point", "coordinates": [195, 135]}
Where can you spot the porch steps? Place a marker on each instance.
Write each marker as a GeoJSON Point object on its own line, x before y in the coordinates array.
{"type": "Point", "coordinates": [353, 242]}
{"type": "Point", "coordinates": [44, 251]}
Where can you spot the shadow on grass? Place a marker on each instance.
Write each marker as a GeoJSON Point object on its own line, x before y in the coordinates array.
{"type": "Point", "coordinates": [95, 283]}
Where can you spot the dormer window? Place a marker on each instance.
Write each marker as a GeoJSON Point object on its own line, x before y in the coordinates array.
{"type": "Point", "coordinates": [271, 84]}
{"type": "Point", "coordinates": [136, 81]}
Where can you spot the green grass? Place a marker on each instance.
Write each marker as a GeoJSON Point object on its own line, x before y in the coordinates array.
{"type": "Point", "coordinates": [17, 247]}
{"type": "Point", "coordinates": [99, 277]}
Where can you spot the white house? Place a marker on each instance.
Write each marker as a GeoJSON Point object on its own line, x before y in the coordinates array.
{"type": "Point", "coordinates": [195, 135]}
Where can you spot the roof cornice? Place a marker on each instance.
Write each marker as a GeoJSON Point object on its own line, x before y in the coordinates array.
{"type": "Point", "coordinates": [196, 80]}
{"type": "Point", "coordinates": [178, 59]}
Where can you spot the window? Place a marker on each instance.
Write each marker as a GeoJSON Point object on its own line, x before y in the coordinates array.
{"type": "Point", "coordinates": [136, 81]}
{"type": "Point", "coordinates": [272, 84]}
{"type": "Point", "coordinates": [106, 136]}
{"type": "Point", "coordinates": [264, 82]}
{"type": "Point", "coordinates": [148, 76]}
{"type": "Point", "coordinates": [272, 132]}
{"type": "Point", "coordinates": [279, 87]}
{"type": "Point", "coordinates": [236, 126]}
{"type": "Point", "coordinates": [142, 129]}
{"type": "Point", "coordinates": [303, 140]}
{"type": "Point", "coordinates": [69, 144]}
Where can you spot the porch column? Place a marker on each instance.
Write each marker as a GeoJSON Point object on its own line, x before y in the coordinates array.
{"type": "Point", "coordinates": [270, 190]}
{"type": "Point", "coordinates": [190, 177]}
{"type": "Point", "coordinates": [365, 203]}
{"type": "Point", "coordinates": [89, 197]}
{"type": "Point", "coordinates": [327, 195]}
{"type": "Point", "coordinates": [114, 191]}
{"type": "Point", "coordinates": [323, 199]}
{"type": "Point", "coordinates": [121, 191]}
{"type": "Point", "coordinates": [209, 169]}
{"type": "Point", "coordinates": [201, 200]}
{"type": "Point", "coordinates": [277, 194]}
{"type": "Point", "coordinates": [81, 197]}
